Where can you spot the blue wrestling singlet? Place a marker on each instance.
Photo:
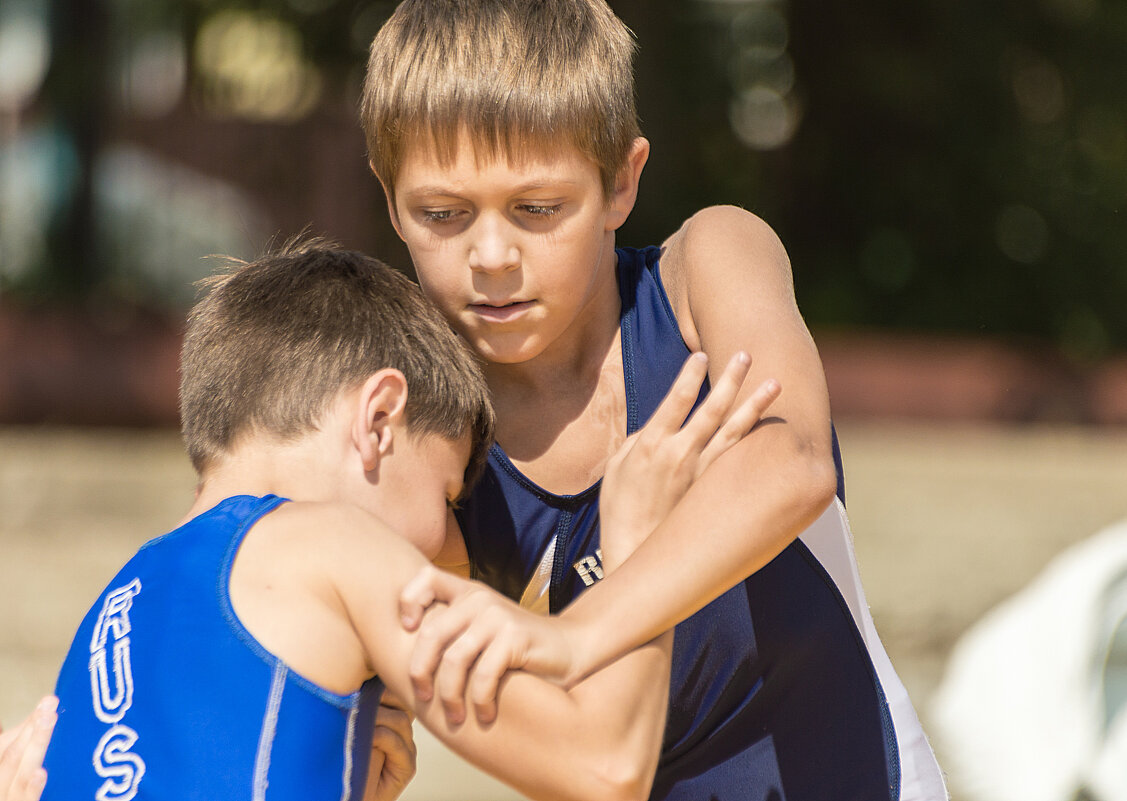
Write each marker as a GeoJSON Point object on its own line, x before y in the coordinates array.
{"type": "Point", "coordinates": [774, 695]}
{"type": "Point", "coordinates": [164, 694]}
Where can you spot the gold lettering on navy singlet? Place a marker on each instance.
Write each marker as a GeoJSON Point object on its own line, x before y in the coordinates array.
{"type": "Point", "coordinates": [590, 568]}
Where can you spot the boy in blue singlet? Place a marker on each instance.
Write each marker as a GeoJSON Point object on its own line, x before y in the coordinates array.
{"type": "Point", "coordinates": [328, 410]}
{"type": "Point", "coordinates": [505, 136]}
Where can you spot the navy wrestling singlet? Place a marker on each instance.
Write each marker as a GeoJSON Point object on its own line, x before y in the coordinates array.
{"type": "Point", "coordinates": [780, 689]}
{"type": "Point", "coordinates": [164, 694]}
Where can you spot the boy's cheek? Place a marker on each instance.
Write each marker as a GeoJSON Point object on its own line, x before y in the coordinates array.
{"type": "Point", "coordinates": [440, 287]}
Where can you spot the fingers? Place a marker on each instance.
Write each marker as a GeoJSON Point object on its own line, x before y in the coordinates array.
{"type": "Point", "coordinates": [419, 593]}
{"type": "Point", "coordinates": [22, 777]}
{"type": "Point", "coordinates": [452, 674]}
{"type": "Point", "coordinates": [442, 634]}
{"type": "Point", "coordinates": [396, 721]}
{"type": "Point", "coordinates": [475, 662]}
{"type": "Point", "coordinates": [740, 423]}
{"type": "Point", "coordinates": [462, 652]}
{"type": "Point", "coordinates": [392, 746]}
{"type": "Point", "coordinates": [715, 408]}
{"type": "Point", "coordinates": [678, 402]}
{"type": "Point", "coordinates": [392, 701]}
{"type": "Point", "coordinates": [432, 586]}
{"type": "Point", "coordinates": [485, 684]}
{"type": "Point", "coordinates": [435, 635]}
{"type": "Point", "coordinates": [394, 754]}
{"type": "Point", "coordinates": [32, 764]}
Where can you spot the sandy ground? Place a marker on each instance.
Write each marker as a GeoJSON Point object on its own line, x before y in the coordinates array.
{"type": "Point", "coordinates": [948, 520]}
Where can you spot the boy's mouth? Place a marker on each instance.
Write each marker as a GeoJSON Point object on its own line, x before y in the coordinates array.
{"type": "Point", "coordinates": [501, 312]}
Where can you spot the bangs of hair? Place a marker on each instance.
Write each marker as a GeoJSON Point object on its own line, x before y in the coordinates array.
{"type": "Point", "coordinates": [517, 76]}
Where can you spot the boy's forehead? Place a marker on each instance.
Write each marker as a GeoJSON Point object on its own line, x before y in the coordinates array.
{"type": "Point", "coordinates": [427, 155]}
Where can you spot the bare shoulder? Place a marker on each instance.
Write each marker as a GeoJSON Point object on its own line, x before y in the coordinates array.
{"type": "Point", "coordinates": [328, 521]}
{"type": "Point", "coordinates": [333, 539]}
{"type": "Point", "coordinates": [299, 575]}
{"type": "Point", "coordinates": [720, 256]}
{"type": "Point", "coordinates": [725, 237]}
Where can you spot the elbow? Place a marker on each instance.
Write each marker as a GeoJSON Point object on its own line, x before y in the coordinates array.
{"type": "Point", "coordinates": [626, 779]}
{"type": "Point", "coordinates": [623, 768]}
{"type": "Point", "coordinates": [816, 484]}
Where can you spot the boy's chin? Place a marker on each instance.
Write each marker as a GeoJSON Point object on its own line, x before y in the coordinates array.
{"type": "Point", "coordinates": [503, 349]}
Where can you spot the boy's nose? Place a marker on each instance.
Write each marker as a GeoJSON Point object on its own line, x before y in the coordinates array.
{"type": "Point", "coordinates": [493, 250]}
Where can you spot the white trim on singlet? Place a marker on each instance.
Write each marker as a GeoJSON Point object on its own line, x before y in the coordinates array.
{"type": "Point", "coordinates": [269, 729]}
{"type": "Point", "coordinates": [536, 593]}
{"type": "Point", "coordinates": [830, 539]}
{"type": "Point", "coordinates": [349, 741]}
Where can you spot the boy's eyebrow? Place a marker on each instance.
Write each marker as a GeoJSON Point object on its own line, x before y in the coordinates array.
{"type": "Point", "coordinates": [528, 186]}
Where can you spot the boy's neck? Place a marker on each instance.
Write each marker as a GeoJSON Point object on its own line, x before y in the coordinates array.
{"type": "Point", "coordinates": [263, 466]}
{"type": "Point", "coordinates": [561, 415]}
{"type": "Point", "coordinates": [570, 366]}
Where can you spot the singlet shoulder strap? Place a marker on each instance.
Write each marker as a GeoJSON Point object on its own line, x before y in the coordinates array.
{"type": "Point", "coordinates": [652, 347]}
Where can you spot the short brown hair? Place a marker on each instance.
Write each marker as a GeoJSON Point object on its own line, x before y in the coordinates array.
{"type": "Point", "coordinates": [513, 74]}
{"type": "Point", "coordinates": [275, 340]}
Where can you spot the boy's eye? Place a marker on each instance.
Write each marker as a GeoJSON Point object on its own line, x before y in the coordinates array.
{"type": "Point", "coordinates": [537, 210]}
{"type": "Point", "coordinates": [439, 215]}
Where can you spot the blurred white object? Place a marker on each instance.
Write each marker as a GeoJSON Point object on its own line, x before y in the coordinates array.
{"type": "Point", "coordinates": [1033, 706]}
{"type": "Point", "coordinates": [155, 220]}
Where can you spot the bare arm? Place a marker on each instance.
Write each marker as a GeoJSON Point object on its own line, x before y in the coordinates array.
{"type": "Point", "coordinates": [643, 482]}
{"type": "Point", "coordinates": [729, 280]}
{"type": "Point", "coordinates": [607, 728]}
{"type": "Point", "coordinates": [453, 558]}
{"type": "Point", "coordinates": [599, 739]}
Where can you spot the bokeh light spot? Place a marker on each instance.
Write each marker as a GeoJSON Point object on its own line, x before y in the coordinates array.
{"type": "Point", "coordinates": [24, 55]}
{"type": "Point", "coordinates": [155, 75]}
{"type": "Point", "coordinates": [1021, 233]}
{"type": "Point", "coordinates": [763, 118]}
{"type": "Point", "coordinates": [1038, 88]}
{"type": "Point", "coordinates": [251, 65]}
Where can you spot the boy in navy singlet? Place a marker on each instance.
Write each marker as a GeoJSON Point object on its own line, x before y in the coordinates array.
{"type": "Point", "coordinates": [333, 418]}
{"type": "Point", "coordinates": [505, 136]}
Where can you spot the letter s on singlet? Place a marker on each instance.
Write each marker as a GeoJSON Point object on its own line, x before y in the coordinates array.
{"type": "Point", "coordinates": [115, 762]}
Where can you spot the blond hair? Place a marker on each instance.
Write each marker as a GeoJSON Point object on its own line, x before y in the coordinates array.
{"type": "Point", "coordinates": [512, 74]}
{"type": "Point", "coordinates": [275, 340]}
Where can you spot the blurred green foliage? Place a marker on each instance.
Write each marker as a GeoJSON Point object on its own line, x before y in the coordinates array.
{"type": "Point", "coordinates": [955, 166]}
{"type": "Point", "coordinates": [958, 166]}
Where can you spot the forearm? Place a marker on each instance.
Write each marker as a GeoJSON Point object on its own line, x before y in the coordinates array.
{"type": "Point", "coordinates": [597, 739]}
{"type": "Point", "coordinates": [601, 739]}
{"type": "Point", "coordinates": [606, 729]}
{"type": "Point", "coordinates": [729, 283]}
{"type": "Point", "coordinates": [749, 505]}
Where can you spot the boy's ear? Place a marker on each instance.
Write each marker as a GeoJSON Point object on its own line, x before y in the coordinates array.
{"type": "Point", "coordinates": [391, 212]}
{"type": "Point", "coordinates": [379, 410]}
{"type": "Point", "coordinates": [626, 183]}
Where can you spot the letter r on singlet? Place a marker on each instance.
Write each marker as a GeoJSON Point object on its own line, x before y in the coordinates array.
{"type": "Point", "coordinates": [590, 568]}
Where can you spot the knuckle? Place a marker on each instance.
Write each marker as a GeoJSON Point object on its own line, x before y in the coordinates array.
{"type": "Point", "coordinates": [458, 657]}
{"type": "Point", "coordinates": [453, 704]}
{"type": "Point", "coordinates": [491, 615]}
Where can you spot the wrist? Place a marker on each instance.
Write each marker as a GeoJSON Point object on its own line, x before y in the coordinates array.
{"type": "Point", "coordinates": [581, 627]}
{"type": "Point", "coordinates": [617, 544]}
